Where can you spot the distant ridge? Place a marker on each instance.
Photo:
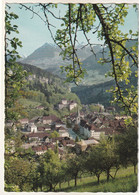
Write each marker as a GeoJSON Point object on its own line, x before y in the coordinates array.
{"type": "Point", "coordinates": [48, 57]}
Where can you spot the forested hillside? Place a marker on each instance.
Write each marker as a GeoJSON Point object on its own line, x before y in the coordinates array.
{"type": "Point", "coordinates": [98, 93]}
{"type": "Point", "coordinates": [45, 89]}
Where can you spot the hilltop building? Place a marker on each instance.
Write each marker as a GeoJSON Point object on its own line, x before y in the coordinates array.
{"type": "Point", "coordinates": [66, 104]}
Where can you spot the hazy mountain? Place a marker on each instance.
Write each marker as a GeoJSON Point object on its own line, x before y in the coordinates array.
{"type": "Point", "coordinates": [47, 57]}
{"type": "Point", "coordinates": [95, 84]}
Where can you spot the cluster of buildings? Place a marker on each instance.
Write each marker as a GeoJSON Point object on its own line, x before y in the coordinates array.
{"type": "Point", "coordinates": [41, 79]}
{"type": "Point", "coordinates": [66, 104]}
{"type": "Point", "coordinates": [92, 125]}
{"type": "Point", "coordinates": [88, 128]}
{"type": "Point", "coordinates": [44, 124]}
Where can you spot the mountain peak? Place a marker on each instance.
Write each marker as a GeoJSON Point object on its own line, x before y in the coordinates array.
{"type": "Point", "coordinates": [48, 45]}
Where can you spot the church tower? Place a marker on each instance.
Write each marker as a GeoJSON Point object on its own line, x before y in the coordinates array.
{"type": "Point", "coordinates": [78, 119]}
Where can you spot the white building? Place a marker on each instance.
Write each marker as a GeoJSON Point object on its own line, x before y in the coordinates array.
{"type": "Point", "coordinates": [63, 132]}
{"type": "Point", "coordinates": [96, 134]}
{"type": "Point", "coordinates": [72, 105]}
{"type": "Point", "coordinates": [32, 128]}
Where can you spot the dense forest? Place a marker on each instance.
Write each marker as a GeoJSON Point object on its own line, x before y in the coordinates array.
{"type": "Point", "coordinates": [99, 92]}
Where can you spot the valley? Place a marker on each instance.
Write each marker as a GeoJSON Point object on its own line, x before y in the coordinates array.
{"type": "Point", "coordinates": [62, 129]}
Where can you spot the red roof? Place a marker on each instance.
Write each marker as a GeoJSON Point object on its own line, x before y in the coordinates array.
{"type": "Point", "coordinates": [39, 135]}
{"type": "Point", "coordinates": [93, 127]}
{"type": "Point", "coordinates": [41, 128]}
{"type": "Point", "coordinates": [39, 148]}
{"type": "Point", "coordinates": [51, 117]}
{"type": "Point", "coordinates": [66, 142]}
{"type": "Point", "coordinates": [57, 138]}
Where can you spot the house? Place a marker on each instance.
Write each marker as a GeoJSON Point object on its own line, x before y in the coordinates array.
{"type": "Point", "coordinates": [43, 80]}
{"type": "Point", "coordinates": [80, 146]}
{"type": "Point", "coordinates": [38, 136]}
{"type": "Point", "coordinates": [24, 121]}
{"type": "Point", "coordinates": [63, 132]}
{"type": "Point", "coordinates": [63, 104]}
{"type": "Point", "coordinates": [29, 145]}
{"type": "Point", "coordinates": [46, 120]}
{"type": "Point", "coordinates": [64, 101]}
{"type": "Point", "coordinates": [84, 144]}
{"type": "Point", "coordinates": [32, 122]}
{"type": "Point", "coordinates": [51, 119]}
{"type": "Point", "coordinates": [59, 124]}
{"type": "Point", "coordinates": [68, 143]}
{"type": "Point", "coordinates": [47, 127]}
{"type": "Point", "coordinates": [96, 120]}
{"type": "Point", "coordinates": [57, 140]}
{"type": "Point", "coordinates": [32, 128]}
{"type": "Point", "coordinates": [72, 105]}
{"type": "Point", "coordinates": [66, 104]}
{"type": "Point", "coordinates": [40, 128]}
{"type": "Point", "coordinates": [96, 134]}
{"type": "Point", "coordinates": [36, 119]}
{"type": "Point", "coordinates": [39, 149]}
{"type": "Point", "coordinates": [47, 139]}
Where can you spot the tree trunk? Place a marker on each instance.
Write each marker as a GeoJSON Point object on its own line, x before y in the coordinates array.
{"type": "Point", "coordinates": [51, 187]}
{"type": "Point", "coordinates": [108, 176]}
{"type": "Point", "coordinates": [40, 187]}
{"type": "Point", "coordinates": [75, 181]}
{"type": "Point", "coordinates": [60, 186]}
{"type": "Point", "coordinates": [134, 169]}
{"type": "Point", "coordinates": [116, 172]}
{"type": "Point", "coordinates": [68, 183]}
{"type": "Point", "coordinates": [98, 176]}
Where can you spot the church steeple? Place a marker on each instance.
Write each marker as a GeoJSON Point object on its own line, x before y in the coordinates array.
{"type": "Point", "coordinates": [78, 119]}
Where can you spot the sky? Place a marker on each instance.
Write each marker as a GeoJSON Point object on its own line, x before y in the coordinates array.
{"type": "Point", "coordinates": [34, 32]}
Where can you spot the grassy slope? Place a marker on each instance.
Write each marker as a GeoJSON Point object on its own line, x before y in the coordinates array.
{"type": "Point", "coordinates": [125, 181]}
{"type": "Point", "coordinates": [27, 103]}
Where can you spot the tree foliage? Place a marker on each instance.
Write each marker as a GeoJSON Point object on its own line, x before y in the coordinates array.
{"type": "Point", "coordinates": [105, 21]}
{"type": "Point", "coordinates": [94, 162]}
{"type": "Point", "coordinates": [20, 172]}
{"type": "Point", "coordinates": [127, 147]}
{"type": "Point", "coordinates": [74, 167]}
{"type": "Point", "coordinates": [27, 175]}
{"type": "Point", "coordinates": [50, 170]}
{"type": "Point", "coordinates": [14, 74]}
{"type": "Point", "coordinates": [109, 156]}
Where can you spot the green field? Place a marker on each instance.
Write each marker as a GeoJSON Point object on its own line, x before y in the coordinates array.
{"type": "Point", "coordinates": [29, 103]}
{"type": "Point", "coordinates": [125, 181]}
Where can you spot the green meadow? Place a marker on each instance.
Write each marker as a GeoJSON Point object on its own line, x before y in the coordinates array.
{"type": "Point", "coordinates": [125, 181]}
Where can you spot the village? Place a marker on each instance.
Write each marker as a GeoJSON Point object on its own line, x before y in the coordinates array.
{"type": "Point", "coordinates": [75, 132]}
